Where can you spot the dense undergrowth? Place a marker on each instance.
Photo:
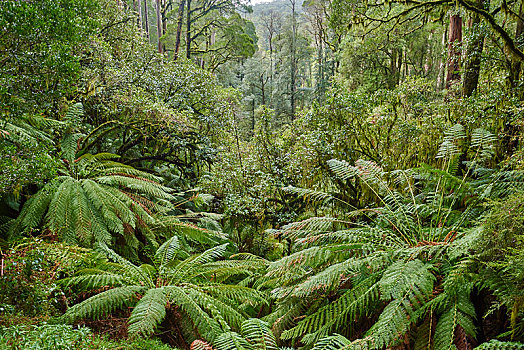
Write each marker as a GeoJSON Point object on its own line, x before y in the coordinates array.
{"type": "Point", "coordinates": [144, 206]}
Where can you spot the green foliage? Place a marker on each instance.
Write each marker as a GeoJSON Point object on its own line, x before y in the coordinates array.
{"type": "Point", "coordinates": [94, 199]}
{"type": "Point", "coordinates": [58, 337]}
{"type": "Point", "coordinates": [383, 263]}
{"type": "Point", "coordinates": [495, 344]}
{"type": "Point", "coordinates": [383, 212]}
{"type": "Point", "coordinates": [30, 270]}
{"type": "Point", "coordinates": [196, 288]}
{"type": "Point", "coordinates": [41, 45]}
{"type": "Point", "coordinates": [22, 166]}
{"type": "Point", "coordinates": [500, 254]}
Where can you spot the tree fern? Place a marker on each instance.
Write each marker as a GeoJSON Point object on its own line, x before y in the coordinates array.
{"type": "Point", "coordinates": [93, 201]}
{"type": "Point", "coordinates": [188, 286]}
{"type": "Point", "coordinates": [258, 333]}
{"type": "Point", "coordinates": [500, 345]}
{"type": "Point", "coordinates": [402, 242]}
{"type": "Point", "coordinates": [345, 310]}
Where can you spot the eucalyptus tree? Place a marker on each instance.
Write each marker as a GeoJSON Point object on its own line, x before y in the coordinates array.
{"type": "Point", "coordinates": [494, 15]}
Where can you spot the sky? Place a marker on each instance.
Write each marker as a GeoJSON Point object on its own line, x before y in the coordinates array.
{"type": "Point", "coordinates": [254, 2]}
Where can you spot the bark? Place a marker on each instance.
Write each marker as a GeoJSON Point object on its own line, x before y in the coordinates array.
{"type": "Point", "coordinates": [263, 89]}
{"type": "Point", "coordinates": [454, 41]}
{"type": "Point", "coordinates": [139, 5]}
{"type": "Point", "coordinates": [253, 117]}
{"type": "Point", "coordinates": [146, 20]}
{"type": "Point", "coordinates": [188, 30]}
{"type": "Point", "coordinates": [395, 74]}
{"type": "Point", "coordinates": [516, 64]}
{"type": "Point", "coordinates": [473, 55]}
{"type": "Point", "coordinates": [428, 62]}
{"type": "Point", "coordinates": [159, 25]}
{"type": "Point", "coordinates": [293, 60]}
{"type": "Point", "coordinates": [441, 67]}
{"type": "Point", "coordinates": [179, 27]}
{"type": "Point", "coordinates": [164, 25]}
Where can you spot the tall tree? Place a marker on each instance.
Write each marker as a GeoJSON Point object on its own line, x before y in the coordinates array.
{"type": "Point", "coordinates": [454, 50]}
{"type": "Point", "coordinates": [188, 30]}
{"type": "Point", "coordinates": [515, 65]}
{"type": "Point", "coordinates": [138, 10]}
{"type": "Point", "coordinates": [180, 19]}
{"type": "Point", "coordinates": [159, 30]}
{"type": "Point", "coordinates": [293, 58]}
{"type": "Point", "coordinates": [473, 54]}
{"type": "Point", "coordinates": [272, 23]}
{"type": "Point", "coordinates": [146, 20]}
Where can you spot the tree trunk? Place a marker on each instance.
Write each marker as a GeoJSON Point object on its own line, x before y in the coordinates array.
{"type": "Point", "coordinates": [514, 74]}
{"type": "Point", "coordinates": [139, 5]}
{"type": "Point", "coordinates": [428, 61]}
{"type": "Point", "coordinates": [441, 67]}
{"type": "Point", "coordinates": [146, 20]}
{"type": "Point", "coordinates": [395, 74]}
{"type": "Point", "coordinates": [473, 55]}
{"type": "Point", "coordinates": [263, 88]}
{"type": "Point", "coordinates": [179, 27]}
{"type": "Point", "coordinates": [253, 117]}
{"type": "Point", "coordinates": [271, 69]}
{"type": "Point", "coordinates": [293, 60]}
{"type": "Point", "coordinates": [188, 30]}
{"type": "Point", "coordinates": [163, 16]}
{"type": "Point", "coordinates": [454, 41]}
{"type": "Point", "coordinates": [159, 25]}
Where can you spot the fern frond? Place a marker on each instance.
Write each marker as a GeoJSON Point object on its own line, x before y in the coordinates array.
{"type": "Point", "coordinates": [74, 114]}
{"type": "Point", "coordinates": [258, 333]}
{"type": "Point", "coordinates": [459, 312]}
{"type": "Point", "coordinates": [103, 303]}
{"type": "Point", "coordinates": [315, 197]}
{"type": "Point", "coordinates": [236, 294]}
{"type": "Point", "coordinates": [231, 341]}
{"type": "Point", "coordinates": [409, 284]}
{"type": "Point", "coordinates": [200, 345]}
{"type": "Point", "coordinates": [148, 312]}
{"type": "Point", "coordinates": [167, 251]}
{"type": "Point", "coordinates": [336, 315]}
{"type": "Point", "coordinates": [207, 327]}
{"type": "Point", "coordinates": [332, 342]}
{"type": "Point", "coordinates": [500, 345]}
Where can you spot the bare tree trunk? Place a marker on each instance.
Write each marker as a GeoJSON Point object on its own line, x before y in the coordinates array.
{"type": "Point", "coordinates": [253, 116]}
{"type": "Point", "coordinates": [473, 55]}
{"type": "Point", "coordinates": [188, 30]}
{"type": "Point", "coordinates": [179, 27]}
{"type": "Point", "coordinates": [454, 41]}
{"type": "Point", "coordinates": [139, 5]}
{"type": "Point", "coordinates": [159, 25]}
{"type": "Point", "coordinates": [428, 62]}
{"type": "Point", "coordinates": [263, 88]}
{"type": "Point", "coordinates": [146, 20]}
{"type": "Point", "coordinates": [293, 59]}
{"type": "Point", "coordinates": [400, 63]}
{"type": "Point", "coordinates": [441, 67]}
{"type": "Point", "coordinates": [271, 68]}
{"type": "Point", "coordinates": [163, 16]}
{"type": "Point", "coordinates": [395, 74]}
